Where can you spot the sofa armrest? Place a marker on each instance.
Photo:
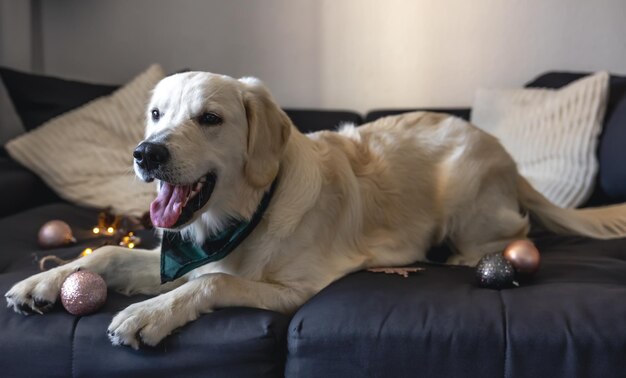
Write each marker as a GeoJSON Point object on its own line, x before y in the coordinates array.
{"type": "Point", "coordinates": [21, 188]}
{"type": "Point", "coordinates": [458, 112]}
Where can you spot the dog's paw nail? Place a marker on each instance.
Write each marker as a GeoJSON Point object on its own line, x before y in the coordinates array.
{"type": "Point", "coordinates": [23, 308]}
{"type": "Point", "coordinates": [42, 305]}
{"type": "Point", "coordinates": [134, 344]}
{"type": "Point", "coordinates": [39, 302]}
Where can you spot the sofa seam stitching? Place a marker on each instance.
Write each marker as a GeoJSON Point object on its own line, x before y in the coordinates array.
{"type": "Point", "coordinates": [73, 344]}
{"type": "Point", "coordinates": [506, 333]}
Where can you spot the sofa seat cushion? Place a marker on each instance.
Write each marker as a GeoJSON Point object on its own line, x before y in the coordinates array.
{"type": "Point", "coordinates": [433, 323]}
{"type": "Point", "coordinates": [234, 342]}
{"type": "Point", "coordinates": [568, 320]}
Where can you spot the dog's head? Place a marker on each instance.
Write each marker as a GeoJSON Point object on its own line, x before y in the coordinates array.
{"type": "Point", "coordinates": [209, 138]}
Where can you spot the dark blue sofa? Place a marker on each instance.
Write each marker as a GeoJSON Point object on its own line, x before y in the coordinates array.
{"type": "Point", "coordinates": [569, 320]}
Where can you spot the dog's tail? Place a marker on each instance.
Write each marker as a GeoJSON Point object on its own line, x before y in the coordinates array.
{"type": "Point", "coordinates": [606, 222]}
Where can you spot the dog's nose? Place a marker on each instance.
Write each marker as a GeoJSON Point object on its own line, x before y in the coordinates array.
{"type": "Point", "coordinates": [151, 155]}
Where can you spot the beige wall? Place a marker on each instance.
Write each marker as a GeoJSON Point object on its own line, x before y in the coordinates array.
{"type": "Point", "coordinates": [356, 54]}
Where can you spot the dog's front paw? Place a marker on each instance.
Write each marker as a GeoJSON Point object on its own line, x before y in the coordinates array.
{"type": "Point", "coordinates": [36, 294]}
{"type": "Point", "coordinates": [146, 322]}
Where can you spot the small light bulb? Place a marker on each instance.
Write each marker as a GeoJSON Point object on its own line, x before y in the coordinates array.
{"type": "Point", "coordinates": [131, 245]}
{"type": "Point", "coordinates": [86, 251]}
{"type": "Point", "coordinates": [110, 230]}
{"type": "Point", "coordinates": [96, 230]}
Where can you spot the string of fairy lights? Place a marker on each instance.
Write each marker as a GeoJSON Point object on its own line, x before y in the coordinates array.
{"type": "Point", "coordinates": [112, 229]}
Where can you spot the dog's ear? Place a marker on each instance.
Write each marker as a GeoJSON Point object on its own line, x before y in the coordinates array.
{"type": "Point", "coordinates": [268, 130]}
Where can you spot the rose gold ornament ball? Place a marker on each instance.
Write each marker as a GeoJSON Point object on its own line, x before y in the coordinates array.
{"type": "Point", "coordinates": [523, 255]}
{"type": "Point", "coordinates": [55, 233]}
{"type": "Point", "coordinates": [83, 293]}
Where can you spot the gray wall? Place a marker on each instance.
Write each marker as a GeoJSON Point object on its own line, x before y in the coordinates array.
{"type": "Point", "coordinates": [15, 51]}
{"type": "Point", "coordinates": [355, 54]}
{"type": "Point", "coordinates": [109, 41]}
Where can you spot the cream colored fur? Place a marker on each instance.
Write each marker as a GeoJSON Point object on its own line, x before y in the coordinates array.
{"type": "Point", "coordinates": [376, 195]}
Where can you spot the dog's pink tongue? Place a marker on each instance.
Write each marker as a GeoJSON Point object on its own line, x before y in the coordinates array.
{"type": "Point", "coordinates": [167, 207]}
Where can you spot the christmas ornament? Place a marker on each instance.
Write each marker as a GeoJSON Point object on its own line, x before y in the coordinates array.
{"type": "Point", "coordinates": [495, 272]}
{"type": "Point", "coordinates": [55, 233]}
{"type": "Point", "coordinates": [83, 293]}
{"type": "Point", "coordinates": [523, 255]}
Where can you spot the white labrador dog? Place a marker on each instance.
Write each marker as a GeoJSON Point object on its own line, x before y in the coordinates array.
{"type": "Point", "coordinates": [377, 195]}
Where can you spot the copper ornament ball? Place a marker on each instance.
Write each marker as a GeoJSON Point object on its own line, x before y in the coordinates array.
{"type": "Point", "coordinates": [55, 233]}
{"type": "Point", "coordinates": [83, 293]}
{"type": "Point", "coordinates": [523, 255]}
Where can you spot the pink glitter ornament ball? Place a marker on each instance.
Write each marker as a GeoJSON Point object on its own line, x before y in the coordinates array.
{"type": "Point", "coordinates": [83, 293]}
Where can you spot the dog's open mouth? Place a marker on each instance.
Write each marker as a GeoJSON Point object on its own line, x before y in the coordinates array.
{"type": "Point", "coordinates": [176, 204]}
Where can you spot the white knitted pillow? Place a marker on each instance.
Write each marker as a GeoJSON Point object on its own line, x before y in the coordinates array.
{"type": "Point", "coordinates": [86, 155]}
{"type": "Point", "coordinates": [551, 134]}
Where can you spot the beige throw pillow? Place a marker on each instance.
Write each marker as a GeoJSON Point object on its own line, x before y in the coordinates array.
{"type": "Point", "coordinates": [551, 134]}
{"type": "Point", "coordinates": [86, 155]}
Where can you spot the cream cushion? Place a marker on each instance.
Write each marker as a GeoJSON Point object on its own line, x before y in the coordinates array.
{"type": "Point", "coordinates": [551, 134]}
{"type": "Point", "coordinates": [86, 155]}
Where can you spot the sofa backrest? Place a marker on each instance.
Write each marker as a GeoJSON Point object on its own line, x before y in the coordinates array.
{"type": "Point", "coordinates": [373, 115]}
{"type": "Point", "coordinates": [310, 120]}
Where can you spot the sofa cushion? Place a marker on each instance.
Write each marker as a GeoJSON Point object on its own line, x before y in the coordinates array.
{"type": "Point", "coordinates": [558, 79]}
{"type": "Point", "coordinates": [551, 134]}
{"type": "Point", "coordinates": [611, 179]}
{"type": "Point", "coordinates": [568, 320]}
{"type": "Point", "coordinates": [39, 98]}
{"type": "Point", "coordinates": [85, 155]}
{"type": "Point", "coordinates": [21, 189]}
{"type": "Point", "coordinates": [28, 100]}
{"type": "Point", "coordinates": [613, 154]}
{"type": "Point", "coordinates": [234, 342]}
{"type": "Point", "coordinates": [431, 324]}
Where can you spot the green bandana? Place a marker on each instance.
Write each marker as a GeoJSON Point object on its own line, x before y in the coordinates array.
{"type": "Point", "coordinates": [179, 256]}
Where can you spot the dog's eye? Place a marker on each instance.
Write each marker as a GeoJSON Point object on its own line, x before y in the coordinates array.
{"type": "Point", "coordinates": [156, 114]}
{"type": "Point", "coordinates": [209, 119]}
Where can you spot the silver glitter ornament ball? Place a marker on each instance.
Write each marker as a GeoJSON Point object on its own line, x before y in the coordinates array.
{"type": "Point", "coordinates": [83, 293]}
{"type": "Point", "coordinates": [495, 272]}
